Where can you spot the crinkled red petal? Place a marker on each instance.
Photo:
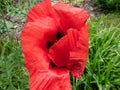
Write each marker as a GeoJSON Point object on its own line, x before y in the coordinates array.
{"type": "Point", "coordinates": [78, 55]}
{"type": "Point", "coordinates": [43, 9]}
{"type": "Point", "coordinates": [70, 16]}
{"type": "Point", "coordinates": [53, 79]}
{"type": "Point", "coordinates": [34, 37]}
{"type": "Point", "coordinates": [71, 51]}
{"type": "Point", "coordinates": [39, 10]}
{"type": "Point", "coordinates": [59, 52]}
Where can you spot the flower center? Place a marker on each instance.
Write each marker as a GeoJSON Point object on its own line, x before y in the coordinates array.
{"type": "Point", "coordinates": [59, 35]}
{"type": "Point", "coordinates": [52, 64]}
{"type": "Point", "coordinates": [49, 44]}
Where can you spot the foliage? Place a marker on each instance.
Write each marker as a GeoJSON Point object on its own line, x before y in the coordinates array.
{"type": "Point", "coordinates": [109, 4]}
{"type": "Point", "coordinates": [11, 9]}
{"type": "Point", "coordinates": [73, 2]}
{"type": "Point", "coordinates": [7, 5]}
{"type": "Point", "coordinates": [4, 4]}
{"type": "Point", "coordinates": [13, 75]}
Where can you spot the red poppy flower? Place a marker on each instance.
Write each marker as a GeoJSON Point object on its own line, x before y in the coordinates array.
{"type": "Point", "coordinates": [54, 43]}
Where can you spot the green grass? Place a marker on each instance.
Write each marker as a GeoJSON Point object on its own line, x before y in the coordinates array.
{"type": "Point", "coordinates": [8, 9]}
{"type": "Point", "coordinates": [103, 65]}
{"type": "Point", "coordinates": [73, 2]}
{"type": "Point", "coordinates": [13, 75]}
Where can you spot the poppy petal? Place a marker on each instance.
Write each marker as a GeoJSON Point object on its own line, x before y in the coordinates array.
{"type": "Point", "coordinates": [78, 55]}
{"type": "Point", "coordinates": [34, 37]}
{"type": "Point", "coordinates": [42, 9]}
{"type": "Point", "coordinates": [71, 51]}
{"type": "Point", "coordinates": [39, 10]}
{"type": "Point", "coordinates": [60, 51]}
{"type": "Point", "coordinates": [54, 79]}
{"type": "Point", "coordinates": [70, 16]}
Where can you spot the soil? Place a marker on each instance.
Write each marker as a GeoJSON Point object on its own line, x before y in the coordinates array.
{"type": "Point", "coordinates": [89, 5]}
{"type": "Point", "coordinates": [16, 30]}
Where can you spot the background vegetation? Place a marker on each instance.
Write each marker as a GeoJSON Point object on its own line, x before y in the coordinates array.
{"type": "Point", "coordinates": [109, 4]}
{"type": "Point", "coordinates": [103, 65]}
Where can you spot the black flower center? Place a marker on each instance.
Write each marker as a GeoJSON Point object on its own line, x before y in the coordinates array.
{"type": "Point", "coordinates": [59, 35]}
{"type": "Point", "coordinates": [52, 64]}
{"type": "Point", "coordinates": [49, 44]}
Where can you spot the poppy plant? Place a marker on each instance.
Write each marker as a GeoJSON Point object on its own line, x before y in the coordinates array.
{"type": "Point", "coordinates": [55, 44]}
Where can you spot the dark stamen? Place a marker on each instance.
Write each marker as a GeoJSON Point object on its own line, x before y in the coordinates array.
{"type": "Point", "coordinates": [49, 44]}
{"type": "Point", "coordinates": [59, 35]}
{"type": "Point", "coordinates": [52, 64]}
